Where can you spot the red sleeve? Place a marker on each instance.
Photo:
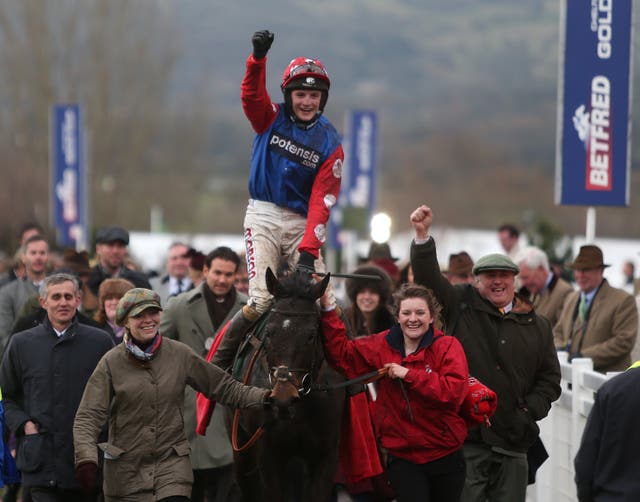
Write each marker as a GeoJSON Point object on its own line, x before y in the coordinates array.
{"type": "Point", "coordinates": [349, 357]}
{"type": "Point", "coordinates": [256, 102]}
{"type": "Point", "coordinates": [447, 383]}
{"type": "Point", "coordinates": [324, 195]}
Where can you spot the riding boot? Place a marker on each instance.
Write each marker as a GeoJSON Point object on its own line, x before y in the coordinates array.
{"type": "Point", "coordinates": [233, 336]}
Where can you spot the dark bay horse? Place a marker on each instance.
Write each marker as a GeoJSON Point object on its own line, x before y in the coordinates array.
{"type": "Point", "coordinates": [295, 458]}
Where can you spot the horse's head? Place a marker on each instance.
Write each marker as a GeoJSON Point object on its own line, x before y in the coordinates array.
{"type": "Point", "coordinates": [292, 344]}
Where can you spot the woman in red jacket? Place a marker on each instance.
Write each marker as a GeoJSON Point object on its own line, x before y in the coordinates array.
{"type": "Point", "coordinates": [417, 413]}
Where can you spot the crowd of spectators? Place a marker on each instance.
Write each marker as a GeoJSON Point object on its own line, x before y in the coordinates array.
{"type": "Point", "coordinates": [487, 304]}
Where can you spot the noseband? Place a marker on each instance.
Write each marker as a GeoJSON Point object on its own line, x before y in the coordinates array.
{"type": "Point", "coordinates": [284, 374]}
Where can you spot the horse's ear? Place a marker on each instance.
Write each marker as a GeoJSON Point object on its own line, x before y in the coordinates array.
{"type": "Point", "coordinates": [272, 281]}
{"type": "Point", "coordinates": [319, 288]}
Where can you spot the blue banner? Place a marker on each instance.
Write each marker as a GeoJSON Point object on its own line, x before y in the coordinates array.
{"type": "Point", "coordinates": [68, 176]}
{"type": "Point", "coordinates": [593, 155]}
{"type": "Point", "coordinates": [362, 134]}
{"type": "Point", "coordinates": [358, 177]}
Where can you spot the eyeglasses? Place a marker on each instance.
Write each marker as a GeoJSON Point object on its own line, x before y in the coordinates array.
{"type": "Point", "coordinates": [309, 67]}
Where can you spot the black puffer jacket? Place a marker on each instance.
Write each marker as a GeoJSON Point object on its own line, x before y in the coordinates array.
{"type": "Point", "coordinates": [42, 379]}
{"type": "Point", "coordinates": [513, 354]}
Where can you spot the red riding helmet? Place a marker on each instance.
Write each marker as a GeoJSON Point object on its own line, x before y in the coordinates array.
{"type": "Point", "coordinates": [305, 73]}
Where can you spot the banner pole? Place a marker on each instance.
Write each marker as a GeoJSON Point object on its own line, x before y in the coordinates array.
{"type": "Point", "coordinates": [590, 232]}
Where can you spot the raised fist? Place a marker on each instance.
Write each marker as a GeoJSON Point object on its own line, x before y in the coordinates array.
{"type": "Point", "coordinates": [261, 41]}
{"type": "Point", "coordinates": [421, 220]}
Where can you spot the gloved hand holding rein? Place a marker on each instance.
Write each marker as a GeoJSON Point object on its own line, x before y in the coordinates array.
{"type": "Point", "coordinates": [306, 263]}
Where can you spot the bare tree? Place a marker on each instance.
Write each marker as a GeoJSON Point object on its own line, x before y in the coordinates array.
{"type": "Point", "coordinates": [115, 58]}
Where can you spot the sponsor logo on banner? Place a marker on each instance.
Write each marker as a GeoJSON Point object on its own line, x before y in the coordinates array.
{"type": "Point", "coordinates": [68, 176]}
{"type": "Point", "coordinates": [594, 157]}
{"type": "Point", "coordinates": [594, 130]}
{"type": "Point", "coordinates": [362, 150]}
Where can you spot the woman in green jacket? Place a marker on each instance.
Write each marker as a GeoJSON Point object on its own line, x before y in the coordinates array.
{"type": "Point", "coordinates": [139, 387]}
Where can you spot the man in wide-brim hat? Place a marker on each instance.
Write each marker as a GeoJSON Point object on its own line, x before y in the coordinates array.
{"type": "Point", "coordinates": [460, 268]}
{"type": "Point", "coordinates": [380, 255]}
{"type": "Point", "coordinates": [598, 321]}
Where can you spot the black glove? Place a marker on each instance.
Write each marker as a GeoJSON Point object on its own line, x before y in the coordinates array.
{"type": "Point", "coordinates": [87, 475]}
{"type": "Point", "coordinates": [261, 41]}
{"type": "Point", "coordinates": [305, 263]}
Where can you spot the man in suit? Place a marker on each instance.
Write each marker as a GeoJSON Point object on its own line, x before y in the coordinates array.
{"type": "Point", "coordinates": [194, 318]}
{"type": "Point", "coordinates": [545, 289]}
{"type": "Point", "coordinates": [177, 279]}
{"type": "Point", "coordinates": [598, 321]}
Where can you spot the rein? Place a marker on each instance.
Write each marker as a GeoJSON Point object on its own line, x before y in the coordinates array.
{"type": "Point", "coordinates": [373, 376]}
{"type": "Point", "coordinates": [236, 416]}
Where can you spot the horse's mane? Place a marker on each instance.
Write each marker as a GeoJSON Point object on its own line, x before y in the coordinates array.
{"type": "Point", "coordinates": [295, 285]}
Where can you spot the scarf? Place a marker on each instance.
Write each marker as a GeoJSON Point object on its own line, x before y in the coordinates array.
{"type": "Point", "coordinates": [218, 308]}
{"type": "Point", "coordinates": [142, 355]}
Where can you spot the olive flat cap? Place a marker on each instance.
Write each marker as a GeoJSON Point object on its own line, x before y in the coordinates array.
{"type": "Point", "coordinates": [112, 234]}
{"type": "Point", "coordinates": [134, 302]}
{"type": "Point", "coordinates": [495, 261]}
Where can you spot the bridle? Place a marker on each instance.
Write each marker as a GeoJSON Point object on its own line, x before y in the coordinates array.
{"type": "Point", "coordinates": [286, 374]}
{"type": "Point", "coordinates": [278, 374]}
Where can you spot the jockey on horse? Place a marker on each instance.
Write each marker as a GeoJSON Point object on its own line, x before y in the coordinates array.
{"type": "Point", "coordinates": [294, 181]}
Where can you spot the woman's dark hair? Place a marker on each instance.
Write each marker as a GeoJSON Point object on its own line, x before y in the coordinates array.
{"type": "Point", "coordinates": [383, 319]}
{"type": "Point", "coordinates": [382, 287]}
{"type": "Point", "coordinates": [416, 291]}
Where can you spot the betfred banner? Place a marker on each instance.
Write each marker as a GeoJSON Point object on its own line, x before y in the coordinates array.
{"type": "Point", "coordinates": [593, 155]}
{"type": "Point", "coordinates": [68, 176]}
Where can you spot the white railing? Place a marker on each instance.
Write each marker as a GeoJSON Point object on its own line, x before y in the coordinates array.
{"type": "Point", "coordinates": [561, 430]}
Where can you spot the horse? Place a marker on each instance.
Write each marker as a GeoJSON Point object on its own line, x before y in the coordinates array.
{"type": "Point", "coordinates": [288, 450]}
